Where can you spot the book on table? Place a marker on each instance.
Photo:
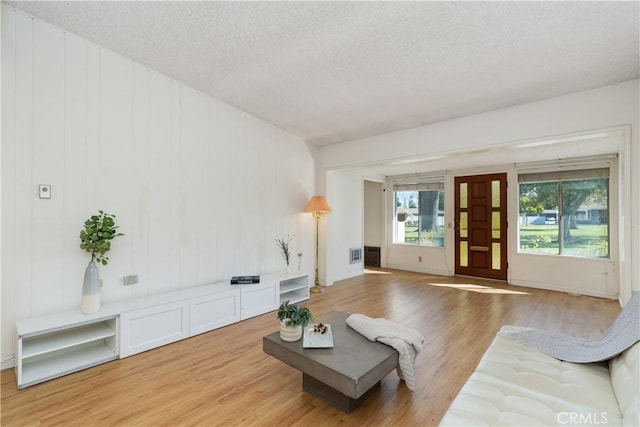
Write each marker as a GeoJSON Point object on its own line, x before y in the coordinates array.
{"type": "Point", "coordinates": [244, 280]}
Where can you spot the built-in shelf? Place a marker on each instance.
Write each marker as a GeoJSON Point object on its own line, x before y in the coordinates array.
{"type": "Point", "coordinates": [294, 289]}
{"type": "Point", "coordinates": [59, 344]}
{"type": "Point", "coordinates": [40, 370]}
{"type": "Point", "coordinates": [48, 343]}
{"type": "Point", "coordinates": [51, 353]}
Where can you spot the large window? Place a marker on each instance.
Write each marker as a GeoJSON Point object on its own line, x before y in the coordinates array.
{"type": "Point", "coordinates": [565, 213]}
{"type": "Point", "coordinates": [419, 213]}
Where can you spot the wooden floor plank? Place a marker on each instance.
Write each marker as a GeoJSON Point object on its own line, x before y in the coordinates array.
{"type": "Point", "coordinates": [223, 378]}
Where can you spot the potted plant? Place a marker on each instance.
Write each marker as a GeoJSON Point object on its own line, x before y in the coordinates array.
{"type": "Point", "coordinates": [292, 319]}
{"type": "Point", "coordinates": [96, 238]}
{"type": "Point", "coordinates": [285, 251]}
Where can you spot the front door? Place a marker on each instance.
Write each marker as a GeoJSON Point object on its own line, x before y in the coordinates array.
{"type": "Point", "coordinates": [481, 226]}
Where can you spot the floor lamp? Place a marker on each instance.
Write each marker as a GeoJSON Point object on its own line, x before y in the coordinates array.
{"type": "Point", "coordinates": [318, 207]}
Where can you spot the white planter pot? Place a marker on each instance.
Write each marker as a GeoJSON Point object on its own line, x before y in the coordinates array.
{"type": "Point", "coordinates": [290, 333]}
{"type": "Point", "coordinates": [91, 289]}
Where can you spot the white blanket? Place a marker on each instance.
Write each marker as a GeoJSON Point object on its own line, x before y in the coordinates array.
{"type": "Point", "coordinates": [406, 340]}
{"type": "Point", "coordinates": [624, 333]}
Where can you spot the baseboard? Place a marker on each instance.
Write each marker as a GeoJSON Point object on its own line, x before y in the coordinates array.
{"type": "Point", "coordinates": [8, 362]}
{"type": "Point", "coordinates": [568, 290]}
{"type": "Point", "coordinates": [348, 275]}
{"type": "Point", "coordinates": [413, 269]}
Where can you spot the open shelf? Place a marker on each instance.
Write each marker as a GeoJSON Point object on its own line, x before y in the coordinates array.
{"type": "Point", "coordinates": [62, 363]}
{"type": "Point", "coordinates": [294, 289]}
{"type": "Point", "coordinates": [49, 353]}
{"type": "Point", "coordinates": [48, 343]}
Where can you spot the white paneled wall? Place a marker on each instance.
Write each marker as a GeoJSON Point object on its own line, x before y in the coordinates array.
{"type": "Point", "coordinates": [199, 188]}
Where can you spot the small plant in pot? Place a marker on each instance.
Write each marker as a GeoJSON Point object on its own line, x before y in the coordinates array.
{"type": "Point", "coordinates": [292, 319]}
{"type": "Point", "coordinates": [96, 238]}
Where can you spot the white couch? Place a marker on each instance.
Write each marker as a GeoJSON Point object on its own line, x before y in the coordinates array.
{"type": "Point", "coordinates": [516, 385]}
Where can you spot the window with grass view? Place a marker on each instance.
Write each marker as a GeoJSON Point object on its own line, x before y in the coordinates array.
{"type": "Point", "coordinates": [419, 214]}
{"type": "Point", "coordinates": [565, 213]}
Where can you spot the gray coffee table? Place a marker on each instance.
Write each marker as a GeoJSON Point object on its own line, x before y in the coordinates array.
{"type": "Point", "coordinates": [342, 376]}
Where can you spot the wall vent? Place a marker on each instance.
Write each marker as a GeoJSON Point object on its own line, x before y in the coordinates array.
{"type": "Point", "coordinates": [355, 255]}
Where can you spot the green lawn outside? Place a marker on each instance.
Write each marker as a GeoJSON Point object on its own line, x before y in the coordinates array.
{"type": "Point", "coordinates": [589, 240]}
{"type": "Point", "coordinates": [434, 238]}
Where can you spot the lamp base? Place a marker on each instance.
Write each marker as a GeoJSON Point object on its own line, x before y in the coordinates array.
{"type": "Point", "coordinates": [317, 289]}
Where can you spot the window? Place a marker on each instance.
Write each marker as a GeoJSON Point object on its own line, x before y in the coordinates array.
{"type": "Point", "coordinates": [419, 213]}
{"type": "Point", "coordinates": [565, 213]}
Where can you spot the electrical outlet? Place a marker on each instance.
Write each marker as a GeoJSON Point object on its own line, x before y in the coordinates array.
{"type": "Point", "coordinates": [130, 280]}
{"type": "Point", "coordinates": [419, 259]}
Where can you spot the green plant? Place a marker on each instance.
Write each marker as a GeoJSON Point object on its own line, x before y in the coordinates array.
{"type": "Point", "coordinates": [293, 314]}
{"type": "Point", "coordinates": [96, 237]}
{"type": "Point", "coordinates": [284, 247]}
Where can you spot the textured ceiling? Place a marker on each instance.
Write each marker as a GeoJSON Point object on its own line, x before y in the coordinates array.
{"type": "Point", "coordinates": [336, 71]}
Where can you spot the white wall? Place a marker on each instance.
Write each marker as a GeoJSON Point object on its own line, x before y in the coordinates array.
{"type": "Point", "coordinates": [344, 227]}
{"type": "Point", "coordinates": [482, 143]}
{"type": "Point", "coordinates": [200, 189]}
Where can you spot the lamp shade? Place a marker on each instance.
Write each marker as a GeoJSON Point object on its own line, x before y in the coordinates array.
{"type": "Point", "coordinates": [318, 204]}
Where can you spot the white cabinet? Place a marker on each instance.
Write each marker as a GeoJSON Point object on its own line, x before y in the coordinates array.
{"type": "Point", "coordinates": [259, 298]}
{"type": "Point", "coordinates": [46, 353]}
{"type": "Point", "coordinates": [51, 346]}
{"type": "Point", "coordinates": [153, 327]}
{"type": "Point", "coordinates": [214, 311]}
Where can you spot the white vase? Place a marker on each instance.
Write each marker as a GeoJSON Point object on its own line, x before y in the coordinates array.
{"type": "Point", "coordinates": [91, 289]}
{"type": "Point", "coordinates": [287, 270]}
{"type": "Point", "coordinates": [290, 333]}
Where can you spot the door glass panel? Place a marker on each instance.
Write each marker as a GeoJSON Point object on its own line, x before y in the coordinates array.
{"type": "Point", "coordinates": [495, 256]}
{"type": "Point", "coordinates": [463, 224]}
{"type": "Point", "coordinates": [495, 225]}
{"type": "Point", "coordinates": [464, 254]}
{"type": "Point", "coordinates": [463, 195]}
{"type": "Point", "coordinates": [495, 194]}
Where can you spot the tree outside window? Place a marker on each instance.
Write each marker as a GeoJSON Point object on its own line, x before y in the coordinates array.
{"type": "Point", "coordinates": [419, 214]}
{"type": "Point", "coordinates": [567, 214]}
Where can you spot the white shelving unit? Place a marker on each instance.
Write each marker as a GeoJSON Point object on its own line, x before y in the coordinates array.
{"type": "Point", "coordinates": [294, 288]}
{"type": "Point", "coordinates": [52, 346]}
{"type": "Point", "coordinates": [51, 353]}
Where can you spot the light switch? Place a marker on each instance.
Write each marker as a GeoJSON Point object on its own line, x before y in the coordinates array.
{"type": "Point", "coordinates": [45, 191]}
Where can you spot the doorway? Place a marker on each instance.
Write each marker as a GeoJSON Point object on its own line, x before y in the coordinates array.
{"type": "Point", "coordinates": [481, 226]}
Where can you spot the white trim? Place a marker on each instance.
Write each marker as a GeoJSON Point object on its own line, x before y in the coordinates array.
{"type": "Point", "coordinates": [8, 362]}
{"type": "Point", "coordinates": [413, 178]}
{"type": "Point", "coordinates": [346, 276]}
{"type": "Point", "coordinates": [413, 268]}
{"type": "Point", "coordinates": [625, 224]}
{"type": "Point", "coordinates": [572, 290]}
{"type": "Point", "coordinates": [566, 164]}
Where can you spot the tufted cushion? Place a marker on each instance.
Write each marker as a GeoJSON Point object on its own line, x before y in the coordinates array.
{"type": "Point", "coordinates": [625, 377]}
{"type": "Point", "coordinates": [518, 385]}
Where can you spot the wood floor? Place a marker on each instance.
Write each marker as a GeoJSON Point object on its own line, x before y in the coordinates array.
{"type": "Point", "coordinates": [223, 377]}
